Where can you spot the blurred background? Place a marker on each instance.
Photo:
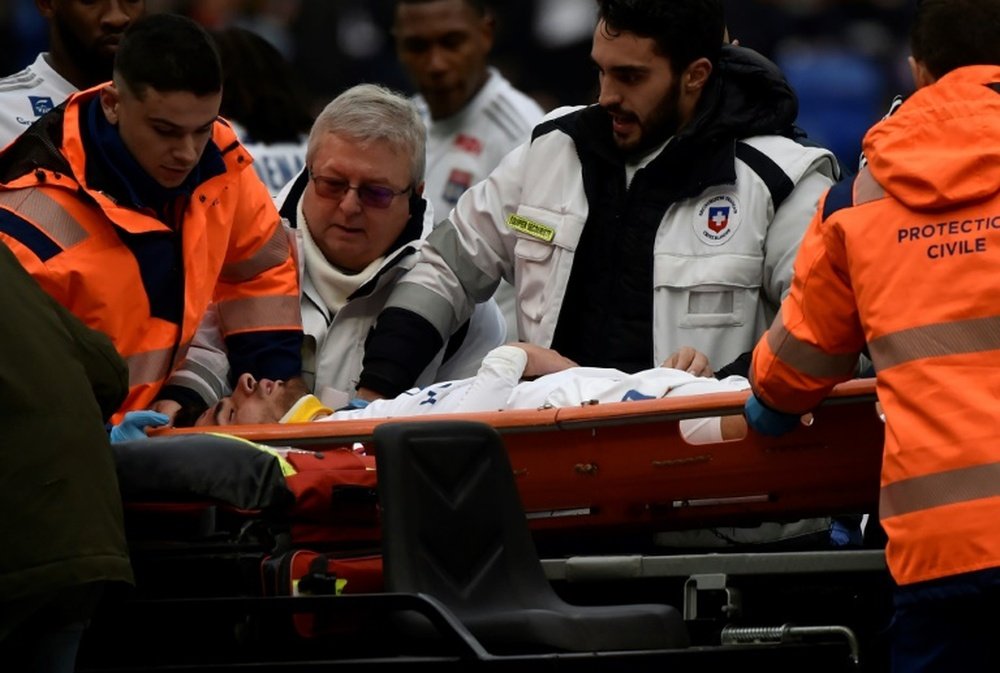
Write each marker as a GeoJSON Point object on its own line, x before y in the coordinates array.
{"type": "Point", "coordinates": [845, 58]}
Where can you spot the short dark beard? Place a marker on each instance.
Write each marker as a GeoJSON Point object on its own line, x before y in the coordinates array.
{"type": "Point", "coordinates": [663, 124]}
{"type": "Point", "coordinates": [94, 65]}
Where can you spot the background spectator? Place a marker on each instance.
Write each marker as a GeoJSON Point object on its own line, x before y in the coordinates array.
{"type": "Point", "coordinates": [262, 98]}
{"type": "Point", "coordinates": [334, 45]}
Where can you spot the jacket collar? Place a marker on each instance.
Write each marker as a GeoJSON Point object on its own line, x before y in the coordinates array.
{"type": "Point", "coordinates": [684, 168]}
{"type": "Point", "coordinates": [54, 145]}
{"type": "Point", "coordinates": [113, 170]}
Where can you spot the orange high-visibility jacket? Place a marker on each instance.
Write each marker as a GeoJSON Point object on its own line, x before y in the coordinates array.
{"type": "Point", "coordinates": [906, 259]}
{"type": "Point", "coordinates": [72, 239]}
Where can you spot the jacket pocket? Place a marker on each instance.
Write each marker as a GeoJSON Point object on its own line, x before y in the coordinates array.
{"type": "Point", "coordinates": [716, 291]}
{"type": "Point", "coordinates": [541, 266]}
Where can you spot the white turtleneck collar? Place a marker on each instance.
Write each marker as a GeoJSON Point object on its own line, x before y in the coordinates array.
{"type": "Point", "coordinates": [333, 285]}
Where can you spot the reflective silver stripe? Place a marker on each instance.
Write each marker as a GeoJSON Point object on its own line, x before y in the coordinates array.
{"type": "Point", "coordinates": [46, 214]}
{"type": "Point", "coordinates": [180, 354]}
{"type": "Point", "coordinates": [241, 315]}
{"type": "Point", "coordinates": [270, 255]}
{"type": "Point", "coordinates": [866, 188]}
{"type": "Point", "coordinates": [197, 376]}
{"type": "Point", "coordinates": [446, 240]}
{"type": "Point", "coordinates": [807, 358]}
{"type": "Point", "coordinates": [426, 303]}
{"type": "Point", "coordinates": [929, 341]}
{"type": "Point", "coordinates": [149, 367]}
{"type": "Point", "coordinates": [937, 490]}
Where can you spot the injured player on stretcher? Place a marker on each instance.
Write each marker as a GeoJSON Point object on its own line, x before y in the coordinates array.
{"type": "Point", "coordinates": [514, 376]}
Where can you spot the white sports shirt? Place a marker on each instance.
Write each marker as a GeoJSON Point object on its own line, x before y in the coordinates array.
{"type": "Point", "coordinates": [498, 386]}
{"type": "Point", "coordinates": [27, 95]}
{"type": "Point", "coordinates": [465, 148]}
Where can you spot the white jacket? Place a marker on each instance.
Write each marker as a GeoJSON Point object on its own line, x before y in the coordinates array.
{"type": "Point", "coordinates": [27, 95]}
{"type": "Point", "coordinates": [333, 346]}
{"type": "Point", "coordinates": [717, 292]}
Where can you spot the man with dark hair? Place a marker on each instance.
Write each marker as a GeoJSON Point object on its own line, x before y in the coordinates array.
{"type": "Point", "coordinates": [83, 37]}
{"type": "Point", "coordinates": [665, 216]}
{"type": "Point", "coordinates": [902, 260]}
{"type": "Point", "coordinates": [474, 116]}
{"type": "Point", "coordinates": [135, 208]}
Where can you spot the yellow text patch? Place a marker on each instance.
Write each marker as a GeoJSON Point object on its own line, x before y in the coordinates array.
{"type": "Point", "coordinates": [531, 228]}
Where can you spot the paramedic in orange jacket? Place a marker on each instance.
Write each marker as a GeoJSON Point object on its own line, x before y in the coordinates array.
{"type": "Point", "coordinates": [135, 206]}
{"type": "Point", "coordinates": [907, 260]}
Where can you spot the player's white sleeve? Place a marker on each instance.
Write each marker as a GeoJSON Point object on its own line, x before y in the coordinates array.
{"type": "Point", "coordinates": [488, 390]}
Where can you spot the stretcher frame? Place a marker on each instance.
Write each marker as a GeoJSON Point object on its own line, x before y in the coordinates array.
{"type": "Point", "coordinates": [624, 466]}
{"type": "Point", "coordinates": [606, 468]}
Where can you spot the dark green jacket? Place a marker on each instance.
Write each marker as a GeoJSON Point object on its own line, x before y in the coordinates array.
{"type": "Point", "coordinates": [60, 509]}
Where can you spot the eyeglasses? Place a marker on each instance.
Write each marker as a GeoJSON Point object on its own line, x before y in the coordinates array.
{"type": "Point", "coordinates": [372, 196]}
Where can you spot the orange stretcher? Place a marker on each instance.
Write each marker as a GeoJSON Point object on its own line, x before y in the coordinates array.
{"type": "Point", "coordinates": [625, 465]}
{"type": "Point", "coordinates": [216, 577]}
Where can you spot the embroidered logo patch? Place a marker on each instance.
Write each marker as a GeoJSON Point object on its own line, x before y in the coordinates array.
{"type": "Point", "coordinates": [531, 228]}
{"type": "Point", "coordinates": [717, 219]}
{"type": "Point", "coordinates": [40, 104]}
{"type": "Point", "coordinates": [458, 182]}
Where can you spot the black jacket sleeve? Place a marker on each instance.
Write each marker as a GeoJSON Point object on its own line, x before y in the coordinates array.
{"type": "Point", "coordinates": [397, 350]}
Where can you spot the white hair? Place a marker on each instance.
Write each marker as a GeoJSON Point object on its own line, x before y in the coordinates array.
{"type": "Point", "coordinates": [372, 112]}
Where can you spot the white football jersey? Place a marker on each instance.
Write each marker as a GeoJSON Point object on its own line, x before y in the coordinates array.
{"type": "Point", "coordinates": [27, 95]}
{"type": "Point", "coordinates": [497, 386]}
{"type": "Point", "coordinates": [464, 148]}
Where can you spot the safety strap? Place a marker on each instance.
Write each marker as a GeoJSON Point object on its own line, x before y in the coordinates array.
{"type": "Point", "coordinates": [777, 181]}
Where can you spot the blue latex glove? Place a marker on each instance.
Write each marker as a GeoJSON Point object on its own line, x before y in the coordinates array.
{"type": "Point", "coordinates": [134, 425]}
{"type": "Point", "coordinates": [767, 421]}
{"type": "Point", "coordinates": [355, 403]}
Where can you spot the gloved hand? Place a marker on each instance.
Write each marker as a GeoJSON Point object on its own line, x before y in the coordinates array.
{"type": "Point", "coordinates": [767, 421]}
{"type": "Point", "coordinates": [134, 425]}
